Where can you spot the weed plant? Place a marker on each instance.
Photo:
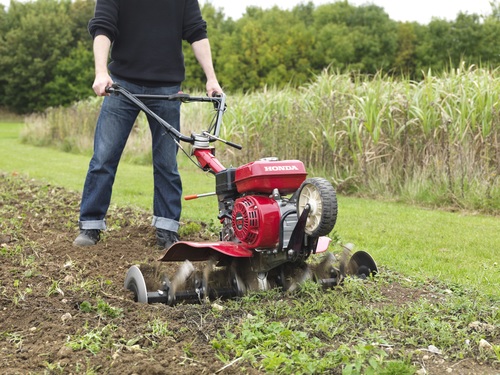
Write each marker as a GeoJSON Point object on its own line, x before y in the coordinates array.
{"type": "Point", "coordinates": [92, 340]}
{"type": "Point", "coordinates": [358, 329]}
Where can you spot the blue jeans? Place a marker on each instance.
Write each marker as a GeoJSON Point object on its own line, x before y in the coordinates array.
{"type": "Point", "coordinates": [115, 122]}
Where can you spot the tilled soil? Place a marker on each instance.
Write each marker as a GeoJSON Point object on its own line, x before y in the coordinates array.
{"type": "Point", "coordinates": [45, 280]}
{"type": "Point", "coordinates": [52, 292]}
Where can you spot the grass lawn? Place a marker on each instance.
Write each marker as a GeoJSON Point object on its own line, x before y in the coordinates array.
{"type": "Point", "coordinates": [133, 185]}
{"type": "Point", "coordinates": [454, 247]}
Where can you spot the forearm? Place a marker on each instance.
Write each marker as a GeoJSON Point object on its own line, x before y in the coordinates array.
{"type": "Point", "coordinates": [203, 54]}
{"type": "Point", "coordinates": [102, 45]}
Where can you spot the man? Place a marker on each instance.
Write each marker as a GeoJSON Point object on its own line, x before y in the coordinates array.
{"type": "Point", "coordinates": [145, 39]}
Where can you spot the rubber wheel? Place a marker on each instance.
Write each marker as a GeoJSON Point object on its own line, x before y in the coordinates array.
{"type": "Point", "coordinates": [319, 194]}
{"type": "Point", "coordinates": [134, 281]}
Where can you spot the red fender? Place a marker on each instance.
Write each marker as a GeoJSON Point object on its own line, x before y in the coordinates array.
{"type": "Point", "coordinates": [200, 251]}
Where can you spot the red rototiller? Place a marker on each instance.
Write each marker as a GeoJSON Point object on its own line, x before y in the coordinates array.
{"type": "Point", "coordinates": [273, 218]}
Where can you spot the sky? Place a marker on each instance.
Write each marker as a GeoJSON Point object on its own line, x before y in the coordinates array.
{"type": "Point", "coordinates": [421, 11]}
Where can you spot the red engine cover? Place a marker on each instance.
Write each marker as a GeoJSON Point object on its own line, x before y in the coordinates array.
{"type": "Point", "coordinates": [256, 221]}
{"type": "Point", "coordinates": [265, 175]}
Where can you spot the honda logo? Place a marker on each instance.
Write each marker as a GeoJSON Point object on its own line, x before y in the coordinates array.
{"type": "Point", "coordinates": [278, 168]}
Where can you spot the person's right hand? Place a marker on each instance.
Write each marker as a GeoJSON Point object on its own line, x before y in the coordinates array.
{"type": "Point", "coordinates": [102, 81]}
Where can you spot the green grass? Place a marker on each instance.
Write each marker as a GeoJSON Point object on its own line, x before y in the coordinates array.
{"type": "Point", "coordinates": [317, 331]}
{"type": "Point", "coordinates": [133, 185]}
{"type": "Point", "coordinates": [454, 247]}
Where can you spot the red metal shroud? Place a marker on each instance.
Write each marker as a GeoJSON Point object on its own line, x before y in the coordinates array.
{"type": "Point", "coordinates": [265, 175]}
{"type": "Point", "coordinates": [201, 251]}
{"type": "Point", "coordinates": [256, 221]}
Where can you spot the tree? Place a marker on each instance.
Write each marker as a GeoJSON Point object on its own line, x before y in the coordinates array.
{"type": "Point", "coordinates": [270, 47]}
{"type": "Point", "coordinates": [361, 38]}
{"type": "Point", "coordinates": [73, 77]}
{"type": "Point", "coordinates": [467, 34]}
{"type": "Point", "coordinates": [490, 43]}
{"type": "Point", "coordinates": [40, 34]}
{"type": "Point", "coordinates": [405, 62]}
{"type": "Point", "coordinates": [434, 51]}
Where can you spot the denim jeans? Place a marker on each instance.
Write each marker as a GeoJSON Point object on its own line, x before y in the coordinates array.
{"type": "Point", "coordinates": [113, 128]}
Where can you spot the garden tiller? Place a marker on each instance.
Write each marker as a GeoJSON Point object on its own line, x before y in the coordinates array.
{"type": "Point", "coordinates": [272, 217]}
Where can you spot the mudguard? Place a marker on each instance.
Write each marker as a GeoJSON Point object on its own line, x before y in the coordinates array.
{"type": "Point", "coordinates": [201, 251]}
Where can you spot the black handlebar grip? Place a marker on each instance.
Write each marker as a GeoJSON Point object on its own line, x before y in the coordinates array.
{"type": "Point", "coordinates": [111, 89]}
{"type": "Point", "coordinates": [235, 145]}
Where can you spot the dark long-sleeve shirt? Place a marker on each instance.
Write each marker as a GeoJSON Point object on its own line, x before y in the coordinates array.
{"type": "Point", "coordinates": [147, 37]}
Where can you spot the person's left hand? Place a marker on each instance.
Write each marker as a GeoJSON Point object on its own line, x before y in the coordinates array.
{"type": "Point", "coordinates": [213, 88]}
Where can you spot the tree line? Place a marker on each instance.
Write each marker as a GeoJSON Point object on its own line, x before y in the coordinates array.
{"type": "Point", "coordinates": [46, 52]}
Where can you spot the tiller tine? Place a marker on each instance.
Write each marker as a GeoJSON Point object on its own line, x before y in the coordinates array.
{"type": "Point", "coordinates": [194, 288]}
{"type": "Point", "coordinates": [181, 276]}
{"type": "Point", "coordinates": [360, 265]}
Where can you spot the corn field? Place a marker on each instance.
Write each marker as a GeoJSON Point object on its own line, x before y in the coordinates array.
{"type": "Point", "coordinates": [434, 142]}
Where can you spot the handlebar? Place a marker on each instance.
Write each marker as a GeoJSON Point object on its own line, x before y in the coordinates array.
{"type": "Point", "coordinates": [218, 101]}
{"type": "Point", "coordinates": [180, 96]}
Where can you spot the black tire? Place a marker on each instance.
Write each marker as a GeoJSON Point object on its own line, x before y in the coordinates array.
{"type": "Point", "coordinates": [320, 195]}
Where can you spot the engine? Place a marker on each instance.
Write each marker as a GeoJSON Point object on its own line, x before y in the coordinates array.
{"type": "Point", "coordinates": [255, 218]}
{"type": "Point", "coordinates": [256, 221]}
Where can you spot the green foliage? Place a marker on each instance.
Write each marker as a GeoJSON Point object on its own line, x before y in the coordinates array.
{"type": "Point", "coordinates": [86, 307]}
{"type": "Point", "coordinates": [353, 330]}
{"type": "Point", "coordinates": [158, 329]}
{"type": "Point", "coordinates": [72, 77]}
{"type": "Point", "coordinates": [43, 34]}
{"type": "Point", "coordinates": [275, 51]}
{"type": "Point", "coordinates": [54, 289]}
{"type": "Point", "coordinates": [275, 347]}
{"type": "Point", "coordinates": [190, 229]}
{"type": "Point", "coordinates": [360, 38]}
{"type": "Point", "coordinates": [102, 309]}
{"type": "Point", "coordinates": [156, 332]}
{"type": "Point", "coordinates": [52, 65]}
{"type": "Point", "coordinates": [92, 340]}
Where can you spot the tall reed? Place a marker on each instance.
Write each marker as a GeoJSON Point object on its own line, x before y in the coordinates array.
{"type": "Point", "coordinates": [434, 142]}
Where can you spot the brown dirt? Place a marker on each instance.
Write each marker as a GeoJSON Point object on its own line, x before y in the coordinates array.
{"type": "Point", "coordinates": [44, 281]}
